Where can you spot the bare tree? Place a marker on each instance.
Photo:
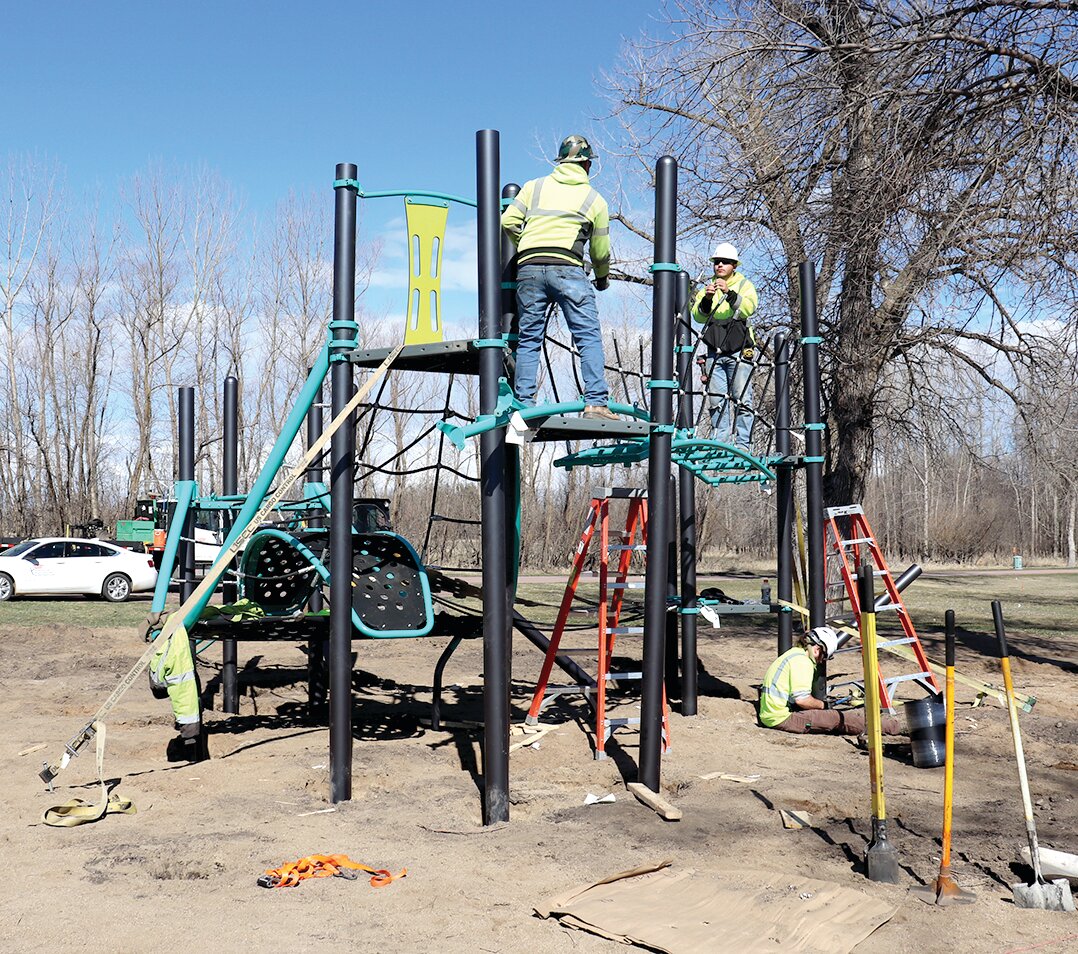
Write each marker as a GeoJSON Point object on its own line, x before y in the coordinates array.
{"type": "Point", "coordinates": [30, 205]}
{"type": "Point", "coordinates": [922, 153]}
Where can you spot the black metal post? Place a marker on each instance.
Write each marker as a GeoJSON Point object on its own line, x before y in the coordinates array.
{"type": "Point", "coordinates": [810, 363]}
{"type": "Point", "coordinates": [670, 665]}
{"type": "Point", "coordinates": [316, 648]}
{"type": "Point", "coordinates": [686, 505]}
{"type": "Point", "coordinates": [230, 480]}
{"type": "Point", "coordinates": [342, 459]}
{"type": "Point", "coordinates": [784, 494]}
{"type": "Point", "coordinates": [186, 471]}
{"type": "Point", "coordinates": [659, 497]}
{"type": "Point", "coordinates": [492, 480]}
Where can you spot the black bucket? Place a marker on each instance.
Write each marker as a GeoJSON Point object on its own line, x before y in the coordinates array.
{"type": "Point", "coordinates": [927, 722]}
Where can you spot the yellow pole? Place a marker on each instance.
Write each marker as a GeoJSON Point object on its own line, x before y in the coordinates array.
{"type": "Point", "coordinates": [872, 711]}
{"type": "Point", "coordinates": [881, 859]}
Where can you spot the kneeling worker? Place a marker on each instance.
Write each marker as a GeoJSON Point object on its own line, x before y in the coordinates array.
{"type": "Point", "coordinates": [786, 699]}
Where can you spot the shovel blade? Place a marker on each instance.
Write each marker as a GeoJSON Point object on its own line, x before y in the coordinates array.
{"type": "Point", "coordinates": [949, 893]}
{"type": "Point", "coordinates": [1044, 896]}
{"type": "Point", "coordinates": [881, 860]}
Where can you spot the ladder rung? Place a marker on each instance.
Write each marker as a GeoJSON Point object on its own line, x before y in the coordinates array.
{"type": "Point", "coordinates": [856, 541]}
{"type": "Point", "coordinates": [622, 547]}
{"type": "Point", "coordinates": [627, 676]}
{"type": "Point", "coordinates": [847, 511]}
{"type": "Point", "coordinates": [890, 606]}
{"type": "Point", "coordinates": [618, 723]}
{"type": "Point", "coordinates": [896, 642]}
{"type": "Point", "coordinates": [626, 630]}
{"type": "Point", "coordinates": [907, 677]}
{"type": "Point", "coordinates": [625, 586]}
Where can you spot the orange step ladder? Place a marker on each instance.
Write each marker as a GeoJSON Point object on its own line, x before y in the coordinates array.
{"type": "Point", "coordinates": [846, 554]}
{"type": "Point", "coordinates": [624, 543]}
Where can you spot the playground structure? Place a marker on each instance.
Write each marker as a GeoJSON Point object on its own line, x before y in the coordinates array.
{"type": "Point", "coordinates": [390, 595]}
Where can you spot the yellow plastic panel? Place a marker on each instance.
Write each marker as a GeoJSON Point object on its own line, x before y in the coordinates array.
{"type": "Point", "coordinates": [426, 236]}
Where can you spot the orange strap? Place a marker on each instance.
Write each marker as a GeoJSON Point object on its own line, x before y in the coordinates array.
{"type": "Point", "coordinates": [324, 866]}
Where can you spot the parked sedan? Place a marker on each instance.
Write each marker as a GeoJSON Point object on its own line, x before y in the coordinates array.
{"type": "Point", "coordinates": [57, 565]}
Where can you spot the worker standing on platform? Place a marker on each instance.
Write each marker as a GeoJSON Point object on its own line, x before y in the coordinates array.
{"type": "Point", "coordinates": [549, 221]}
{"type": "Point", "coordinates": [786, 699]}
{"type": "Point", "coordinates": [724, 306]}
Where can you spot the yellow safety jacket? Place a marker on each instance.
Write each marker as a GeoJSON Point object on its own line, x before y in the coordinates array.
{"type": "Point", "coordinates": [173, 668]}
{"type": "Point", "coordinates": [788, 679]}
{"type": "Point", "coordinates": [716, 334]}
{"type": "Point", "coordinates": [552, 218]}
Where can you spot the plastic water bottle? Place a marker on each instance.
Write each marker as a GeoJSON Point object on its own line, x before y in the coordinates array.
{"type": "Point", "coordinates": [765, 592]}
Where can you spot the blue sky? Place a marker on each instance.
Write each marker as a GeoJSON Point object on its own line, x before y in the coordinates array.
{"type": "Point", "coordinates": [271, 95]}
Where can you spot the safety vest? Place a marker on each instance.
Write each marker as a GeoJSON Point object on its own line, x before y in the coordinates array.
{"type": "Point", "coordinates": [173, 668]}
{"type": "Point", "coordinates": [719, 323]}
{"type": "Point", "coordinates": [787, 679]}
{"type": "Point", "coordinates": [552, 218]}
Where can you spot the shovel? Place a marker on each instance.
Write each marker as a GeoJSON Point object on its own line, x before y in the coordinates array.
{"type": "Point", "coordinates": [881, 859]}
{"type": "Point", "coordinates": [944, 890]}
{"type": "Point", "coordinates": [1041, 894]}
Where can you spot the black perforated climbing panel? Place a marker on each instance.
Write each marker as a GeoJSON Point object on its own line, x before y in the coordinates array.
{"type": "Point", "coordinates": [390, 592]}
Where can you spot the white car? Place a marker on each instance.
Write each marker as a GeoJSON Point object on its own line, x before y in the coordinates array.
{"type": "Point", "coordinates": [55, 565]}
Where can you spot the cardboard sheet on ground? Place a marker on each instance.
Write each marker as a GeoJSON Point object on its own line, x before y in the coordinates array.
{"type": "Point", "coordinates": [690, 912]}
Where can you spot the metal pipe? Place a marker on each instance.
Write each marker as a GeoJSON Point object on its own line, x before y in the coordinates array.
{"type": "Point", "coordinates": [810, 351]}
{"type": "Point", "coordinates": [342, 460]}
{"type": "Point", "coordinates": [670, 665]}
{"type": "Point", "coordinates": [492, 480]}
{"type": "Point", "coordinates": [230, 479]}
{"type": "Point", "coordinates": [659, 502]}
{"type": "Point", "coordinates": [784, 495]}
{"type": "Point", "coordinates": [186, 471]}
{"type": "Point", "coordinates": [686, 505]}
{"type": "Point", "coordinates": [911, 573]}
{"type": "Point", "coordinates": [316, 648]}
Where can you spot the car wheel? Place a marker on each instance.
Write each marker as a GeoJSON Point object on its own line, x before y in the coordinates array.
{"type": "Point", "coordinates": [7, 587]}
{"type": "Point", "coordinates": [116, 588]}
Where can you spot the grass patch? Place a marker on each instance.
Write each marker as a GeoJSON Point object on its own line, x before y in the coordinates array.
{"type": "Point", "coordinates": [75, 611]}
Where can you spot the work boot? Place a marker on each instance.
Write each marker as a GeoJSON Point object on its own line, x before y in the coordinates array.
{"type": "Point", "coordinates": [190, 745]}
{"type": "Point", "coordinates": [600, 412]}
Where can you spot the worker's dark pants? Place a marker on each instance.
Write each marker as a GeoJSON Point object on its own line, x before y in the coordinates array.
{"type": "Point", "coordinates": [837, 722]}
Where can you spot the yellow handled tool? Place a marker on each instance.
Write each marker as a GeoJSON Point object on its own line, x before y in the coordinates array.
{"type": "Point", "coordinates": [944, 890]}
{"type": "Point", "coordinates": [1047, 895]}
{"type": "Point", "coordinates": [881, 859]}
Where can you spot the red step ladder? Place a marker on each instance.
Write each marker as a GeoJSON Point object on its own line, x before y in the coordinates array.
{"type": "Point", "coordinates": [624, 543]}
{"type": "Point", "coordinates": [846, 554]}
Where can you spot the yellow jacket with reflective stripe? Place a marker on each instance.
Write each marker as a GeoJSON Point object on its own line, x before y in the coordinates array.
{"type": "Point", "coordinates": [173, 668]}
{"type": "Point", "coordinates": [788, 679]}
{"type": "Point", "coordinates": [553, 217]}
{"type": "Point", "coordinates": [747, 301]}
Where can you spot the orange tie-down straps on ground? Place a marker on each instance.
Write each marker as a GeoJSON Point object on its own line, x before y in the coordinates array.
{"type": "Point", "coordinates": [324, 866]}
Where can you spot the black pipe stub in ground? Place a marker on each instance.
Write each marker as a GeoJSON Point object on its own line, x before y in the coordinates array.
{"type": "Point", "coordinates": [927, 722]}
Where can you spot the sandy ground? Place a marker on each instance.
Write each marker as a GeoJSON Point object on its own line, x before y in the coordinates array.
{"type": "Point", "coordinates": [182, 871]}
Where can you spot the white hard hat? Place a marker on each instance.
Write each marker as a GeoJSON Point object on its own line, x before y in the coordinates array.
{"type": "Point", "coordinates": [725, 250]}
{"type": "Point", "coordinates": [825, 637]}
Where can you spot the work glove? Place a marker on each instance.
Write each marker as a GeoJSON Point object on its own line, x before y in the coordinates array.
{"type": "Point", "coordinates": [602, 284]}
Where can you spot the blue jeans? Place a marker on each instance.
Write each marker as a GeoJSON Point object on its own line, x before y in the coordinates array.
{"type": "Point", "coordinates": [730, 394]}
{"type": "Point", "coordinates": [537, 287]}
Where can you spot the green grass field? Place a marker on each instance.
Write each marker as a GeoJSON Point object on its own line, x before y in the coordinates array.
{"type": "Point", "coordinates": [1041, 609]}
